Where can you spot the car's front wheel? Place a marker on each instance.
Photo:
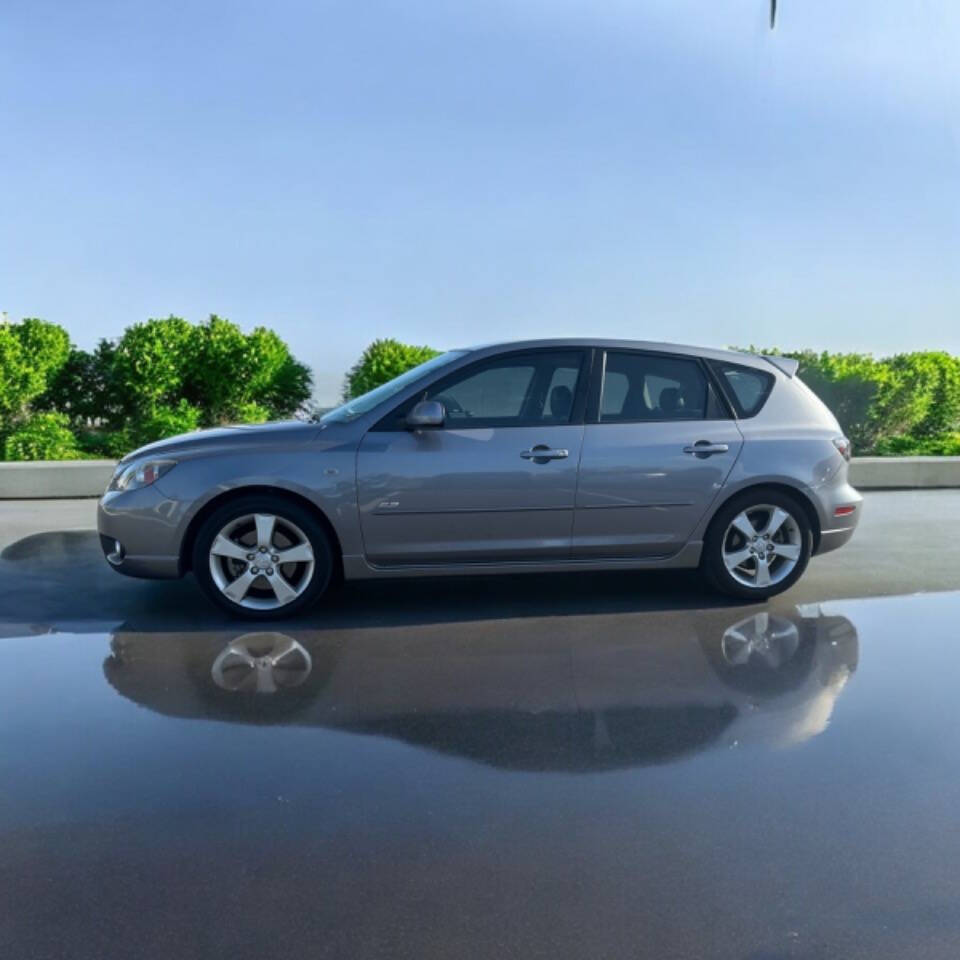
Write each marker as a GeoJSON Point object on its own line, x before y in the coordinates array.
{"type": "Point", "coordinates": [263, 557]}
{"type": "Point", "coordinates": [758, 545]}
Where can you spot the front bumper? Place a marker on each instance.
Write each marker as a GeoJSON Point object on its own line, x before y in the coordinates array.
{"type": "Point", "coordinates": [139, 533]}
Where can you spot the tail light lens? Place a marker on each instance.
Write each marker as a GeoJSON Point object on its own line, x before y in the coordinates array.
{"type": "Point", "coordinates": [844, 446]}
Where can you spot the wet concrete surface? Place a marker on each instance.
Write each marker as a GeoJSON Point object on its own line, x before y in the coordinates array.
{"type": "Point", "coordinates": [906, 542]}
{"type": "Point", "coordinates": [592, 766]}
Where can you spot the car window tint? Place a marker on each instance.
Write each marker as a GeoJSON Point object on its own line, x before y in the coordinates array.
{"type": "Point", "coordinates": [615, 387]}
{"type": "Point", "coordinates": [496, 392]}
{"type": "Point", "coordinates": [640, 386]}
{"type": "Point", "coordinates": [750, 387]}
{"type": "Point", "coordinates": [523, 389]}
{"type": "Point", "coordinates": [560, 393]}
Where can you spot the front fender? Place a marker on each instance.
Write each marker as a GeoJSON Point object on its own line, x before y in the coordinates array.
{"type": "Point", "coordinates": [326, 478]}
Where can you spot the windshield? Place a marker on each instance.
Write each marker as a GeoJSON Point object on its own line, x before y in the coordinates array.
{"type": "Point", "coordinates": [367, 401]}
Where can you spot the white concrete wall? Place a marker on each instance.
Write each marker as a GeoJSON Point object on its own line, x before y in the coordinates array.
{"type": "Point", "coordinates": [48, 479]}
{"type": "Point", "coordinates": [88, 478]}
{"type": "Point", "coordinates": [910, 473]}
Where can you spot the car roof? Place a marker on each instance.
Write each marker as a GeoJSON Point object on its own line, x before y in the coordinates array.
{"type": "Point", "coordinates": [713, 353]}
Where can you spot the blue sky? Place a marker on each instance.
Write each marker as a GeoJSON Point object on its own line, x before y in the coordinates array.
{"type": "Point", "coordinates": [452, 173]}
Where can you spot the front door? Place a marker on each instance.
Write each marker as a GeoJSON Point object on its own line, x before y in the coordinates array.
{"type": "Point", "coordinates": [496, 483]}
{"type": "Point", "coordinates": [657, 449]}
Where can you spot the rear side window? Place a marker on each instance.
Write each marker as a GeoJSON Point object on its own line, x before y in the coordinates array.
{"type": "Point", "coordinates": [746, 387]}
{"type": "Point", "coordinates": [640, 386]}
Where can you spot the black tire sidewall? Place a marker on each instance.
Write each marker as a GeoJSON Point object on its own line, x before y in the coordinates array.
{"type": "Point", "coordinates": [283, 508]}
{"type": "Point", "coordinates": [713, 565]}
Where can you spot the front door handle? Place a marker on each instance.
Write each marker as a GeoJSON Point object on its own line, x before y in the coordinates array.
{"type": "Point", "coordinates": [704, 448]}
{"type": "Point", "coordinates": [541, 453]}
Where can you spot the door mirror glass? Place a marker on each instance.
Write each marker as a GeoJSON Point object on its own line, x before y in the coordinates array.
{"type": "Point", "coordinates": [427, 413]}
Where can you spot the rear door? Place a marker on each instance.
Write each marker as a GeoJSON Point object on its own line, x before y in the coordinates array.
{"type": "Point", "coordinates": [658, 446]}
{"type": "Point", "coordinates": [496, 482]}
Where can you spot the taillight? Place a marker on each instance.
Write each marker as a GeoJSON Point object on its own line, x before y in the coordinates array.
{"type": "Point", "coordinates": [844, 446]}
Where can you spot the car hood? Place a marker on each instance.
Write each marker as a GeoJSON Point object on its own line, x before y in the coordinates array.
{"type": "Point", "coordinates": [283, 431]}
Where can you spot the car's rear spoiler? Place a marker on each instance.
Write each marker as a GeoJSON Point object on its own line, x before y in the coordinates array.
{"type": "Point", "coordinates": [787, 365]}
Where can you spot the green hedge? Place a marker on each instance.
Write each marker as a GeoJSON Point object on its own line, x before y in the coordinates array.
{"type": "Point", "coordinates": [161, 377]}
{"type": "Point", "coordinates": [42, 436]}
{"type": "Point", "coordinates": [168, 376]}
{"type": "Point", "coordinates": [904, 405]}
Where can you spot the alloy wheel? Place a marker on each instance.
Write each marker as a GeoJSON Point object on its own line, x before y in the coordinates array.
{"type": "Point", "coordinates": [261, 561]}
{"type": "Point", "coordinates": [761, 546]}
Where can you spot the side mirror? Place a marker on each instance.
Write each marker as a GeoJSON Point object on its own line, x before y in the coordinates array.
{"type": "Point", "coordinates": [427, 413]}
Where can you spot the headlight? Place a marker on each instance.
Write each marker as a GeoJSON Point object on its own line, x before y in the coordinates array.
{"type": "Point", "coordinates": [140, 473]}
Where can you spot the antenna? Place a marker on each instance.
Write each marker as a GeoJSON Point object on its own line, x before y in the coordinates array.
{"type": "Point", "coordinates": [773, 13]}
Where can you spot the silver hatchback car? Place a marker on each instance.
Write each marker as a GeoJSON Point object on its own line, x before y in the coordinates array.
{"type": "Point", "coordinates": [547, 455]}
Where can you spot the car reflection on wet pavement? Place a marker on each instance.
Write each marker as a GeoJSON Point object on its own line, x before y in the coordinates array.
{"type": "Point", "coordinates": [729, 782]}
{"type": "Point", "coordinates": [585, 704]}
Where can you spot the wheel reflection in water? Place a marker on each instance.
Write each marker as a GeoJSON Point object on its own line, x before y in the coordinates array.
{"type": "Point", "coordinates": [772, 639]}
{"type": "Point", "coordinates": [261, 663]}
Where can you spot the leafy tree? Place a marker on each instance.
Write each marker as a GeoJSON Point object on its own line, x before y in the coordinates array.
{"type": "Point", "coordinates": [42, 436]}
{"type": "Point", "coordinates": [157, 424]}
{"type": "Point", "coordinates": [910, 445]}
{"type": "Point", "coordinates": [13, 374]}
{"type": "Point", "coordinates": [86, 388]}
{"type": "Point", "coordinates": [926, 401]}
{"type": "Point", "coordinates": [46, 345]}
{"type": "Point", "coordinates": [251, 413]}
{"type": "Point", "coordinates": [382, 361]}
{"type": "Point", "coordinates": [31, 354]}
{"type": "Point", "coordinates": [277, 381]}
{"type": "Point", "coordinates": [150, 363]}
{"type": "Point", "coordinates": [231, 374]}
{"type": "Point", "coordinates": [162, 377]}
{"type": "Point", "coordinates": [216, 374]}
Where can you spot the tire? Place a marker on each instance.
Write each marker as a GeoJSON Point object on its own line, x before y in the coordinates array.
{"type": "Point", "coordinates": [771, 562]}
{"type": "Point", "coordinates": [264, 527]}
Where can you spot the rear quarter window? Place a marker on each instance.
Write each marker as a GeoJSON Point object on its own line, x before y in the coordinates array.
{"type": "Point", "coordinates": [747, 387]}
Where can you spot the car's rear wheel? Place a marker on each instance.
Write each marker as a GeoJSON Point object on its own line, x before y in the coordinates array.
{"type": "Point", "coordinates": [263, 557]}
{"type": "Point", "coordinates": [758, 545]}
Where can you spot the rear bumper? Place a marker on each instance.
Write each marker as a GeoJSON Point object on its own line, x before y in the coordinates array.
{"type": "Point", "coordinates": [836, 530]}
{"type": "Point", "coordinates": [832, 539]}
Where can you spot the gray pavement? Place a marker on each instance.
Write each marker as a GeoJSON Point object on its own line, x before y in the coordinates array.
{"type": "Point", "coordinates": [52, 571]}
{"type": "Point", "coordinates": [22, 518]}
{"type": "Point", "coordinates": [613, 765]}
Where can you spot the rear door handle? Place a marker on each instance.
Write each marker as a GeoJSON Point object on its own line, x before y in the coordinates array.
{"type": "Point", "coordinates": [541, 453]}
{"type": "Point", "coordinates": [704, 448]}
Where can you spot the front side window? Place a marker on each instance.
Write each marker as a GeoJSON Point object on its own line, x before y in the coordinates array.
{"type": "Point", "coordinates": [522, 389]}
{"type": "Point", "coordinates": [517, 390]}
{"type": "Point", "coordinates": [496, 393]}
{"type": "Point", "coordinates": [638, 386]}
